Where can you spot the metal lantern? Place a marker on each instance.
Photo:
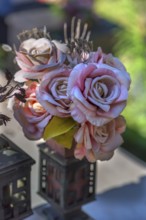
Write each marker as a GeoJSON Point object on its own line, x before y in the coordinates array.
{"type": "Point", "coordinates": [15, 168]}
{"type": "Point", "coordinates": [65, 182]}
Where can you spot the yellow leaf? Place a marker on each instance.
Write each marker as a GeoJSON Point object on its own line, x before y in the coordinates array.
{"type": "Point", "coordinates": [66, 139]}
{"type": "Point", "coordinates": [58, 126]}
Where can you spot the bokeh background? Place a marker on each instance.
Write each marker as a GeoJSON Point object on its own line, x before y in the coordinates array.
{"type": "Point", "coordinates": [119, 27]}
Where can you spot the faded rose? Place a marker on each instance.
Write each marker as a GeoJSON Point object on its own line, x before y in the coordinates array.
{"type": "Point", "coordinates": [31, 115]}
{"type": "Point", "coordinates": [36, 56]}
{"type": "Point", "coordinates": [52, 93]}
{"type": "Point", "coordinates": [99, 143]}
{"type": "Point", "coordinates": [109, 59]}
{"type": "Point", "coordinates": [98, 92]}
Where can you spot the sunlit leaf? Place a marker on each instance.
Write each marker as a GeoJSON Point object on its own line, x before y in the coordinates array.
{"type": "Point", "coordinates": [66, 139]}
{"type": "Point", "coordinates": [58, 126]}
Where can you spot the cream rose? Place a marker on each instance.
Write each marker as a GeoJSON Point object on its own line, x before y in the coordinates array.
{"type": "Point", "coordinates": [99, 143]}
{"type": "Point", "coordinates": [36, 56]}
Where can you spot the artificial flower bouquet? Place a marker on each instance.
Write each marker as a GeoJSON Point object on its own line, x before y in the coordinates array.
{"type": "Point", "coordinates": [72, 93]}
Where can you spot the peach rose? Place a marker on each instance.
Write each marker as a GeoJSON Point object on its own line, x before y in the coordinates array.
{"type": "Point", "coordinates": [36, 56]}
{"type": "Point", "coordinates": [31, 115]}
{"type": "Point", "coordinates": [99, 143]}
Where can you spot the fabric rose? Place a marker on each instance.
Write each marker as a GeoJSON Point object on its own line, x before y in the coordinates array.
{"type": "Point", "coordinates": [99, 143]}
{"type": "Point", "coordinates": [31, 115]}
{"type": "Point", "coordinates": [109, 59]}
{"type": "Point", "coordinates": [98, 92]}
{"type": "Point", "coordinates": [52, 93]}
{"type": "Point", "coordinates": [36, 56]}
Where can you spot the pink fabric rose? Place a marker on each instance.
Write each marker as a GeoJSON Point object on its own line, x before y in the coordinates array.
{"type": "Point", "coordinates": [98, 92]}
{"type": "Point", "coordinates": [31, 115]}
{"type": "Point", "coordinates": [36, 56]}
{"type": "Point", "coordinates": [52, 93]}
{"type": "Point", "coordinates": [109, 59]}
{"type": "Point", "coordinates": [99, 143]}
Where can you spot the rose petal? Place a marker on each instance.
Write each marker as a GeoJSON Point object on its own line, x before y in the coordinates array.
{"type": "Point", "coordinates": [79, 152]}
{"type": "Point", "coordinates": [79, 136]}
{"type": "Point", "coordinates": [120, 124]}
{"type": "Point", "coordinates": [90, 156]}
{"type": "Point", "coordinates": [104, 107]}
{"type": "Point", "coordinates": [76, 93]}
{"type": "Point", "coordinates": [104, 155]}
{"type": "Point", "coordinates": [74, 77]}
{"type": "Point", "coordinates": [98, 120]}
{"type": "Point", "coordinates": [77, 114]}
{"type": "Point", "coordinates": [87, 140]}
{"type": "Point", "coordinates": [115, 142]}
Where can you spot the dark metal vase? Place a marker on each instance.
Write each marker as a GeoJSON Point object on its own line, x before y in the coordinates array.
{"type": "Point", "coordinates": [65, 182]}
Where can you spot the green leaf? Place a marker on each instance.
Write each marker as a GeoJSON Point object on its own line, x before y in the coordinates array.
{"type": "Point", "coordinates": [66, 139]}
{"type": "Point", "coordinates": [58, 126]}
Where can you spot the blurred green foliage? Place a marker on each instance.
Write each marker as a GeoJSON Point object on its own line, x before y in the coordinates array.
{"type": "Point", "coordinates": [3, 56]}
{"type": "Point", "coordinates": [130, 47]}
{"type": "Point", "coordinates": [7, 60]}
